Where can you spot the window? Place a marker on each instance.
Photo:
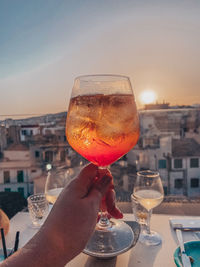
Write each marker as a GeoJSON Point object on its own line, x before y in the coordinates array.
{"type": "Point", "coordinates": [33, 171]}
{"type": "Point", "coordinates": [151, 141]}
{"type": "Point", "coordinates": [37, 154]}
{"type": "Point", "coordinates": [62, 156]}
{"type": "Point", "coordinates": [20, 176]}
{"type": "Point", "coordinates": [165, 190]}
{"type": "Point", "coordinates": [178, 163]}
{"type": "Point", "coordinates": [24, 132]}
{"type": "Point", "coordinates": [194, 182]}
{"type": "Point", "coordinates": [162, 164]}
{"type": "Point", "coordinates": [178, 183]}
{"type": "Point", "coordinates": [21, 190]}
{"type": "Point", "coordinates": [49, 156]}
{"type": "Point", "coordinates": [194, 163]}
{"type": "Point", "coordinates": [6, 177]}
{"type": "Point", "coordinates": [7, 189]}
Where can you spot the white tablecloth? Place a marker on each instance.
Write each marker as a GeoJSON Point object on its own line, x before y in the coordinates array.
{"type": "Point", "coordinates": [140, 255]}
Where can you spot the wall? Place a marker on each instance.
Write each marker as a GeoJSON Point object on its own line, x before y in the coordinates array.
{"type": "Point", "coordinates": [193, 173]}
{"type": "Point", "coordinates": [3, 141]}
{"type": "Point", "coordinates": [19, 161]}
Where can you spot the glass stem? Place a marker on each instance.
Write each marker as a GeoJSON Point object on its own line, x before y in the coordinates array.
{"type": "Point", "coordinates": [104, 222]}
{"type": "Point", "coordinates": [148, 222]}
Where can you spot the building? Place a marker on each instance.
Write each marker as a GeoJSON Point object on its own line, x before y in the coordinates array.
{"type": "Point", "coordinates": [170, 143]}
{"type": "Point", "coordinates": [175, 122]}
{"type": "Point", "coordinates": [55, 133]}
{"type": "Point", "coordinates": [13, 134]}
{"type": "Point", "coordinates": [54, 153]}
{"type": "Point", "coordinates": [27, 131]}
{"type": "Point", "coordinates": [178, 162]}
{"type": "Point", "coordinates": [18, 170]}
{"type": "Point", "coordinates": [152, 157]}
{"type": "Point", "coordinates": [163, 105]}
{"type": "Point", "coordinates": [27, 146]}
{"type": "Point", "coordinates": [185, 167]}
{"type": "Point", "coordinates": [3, 139]}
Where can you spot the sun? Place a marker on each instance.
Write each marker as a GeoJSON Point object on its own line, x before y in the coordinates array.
{"type": "Point", "coordinates": [148, 97]}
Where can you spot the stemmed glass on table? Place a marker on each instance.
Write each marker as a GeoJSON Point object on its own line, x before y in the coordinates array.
{"type": "Point", "coordinates": [57, 178]}
{"type": "Point", "coordinates": [148, 191]}
{"type": "Point", "coordinates": [103, 125]}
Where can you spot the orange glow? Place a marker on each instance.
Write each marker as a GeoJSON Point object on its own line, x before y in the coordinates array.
{"type": "Point", "coordinates": [148, 97]}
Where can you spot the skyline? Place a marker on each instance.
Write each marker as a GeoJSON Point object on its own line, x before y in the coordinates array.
{"type": "Point", "coordinates": [147, 107]}
{"type": "Point", "coordinates": [45, 45]}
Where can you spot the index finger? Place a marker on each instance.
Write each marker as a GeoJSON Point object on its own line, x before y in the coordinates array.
{"type": "Point", "coordinates": [111, 205]}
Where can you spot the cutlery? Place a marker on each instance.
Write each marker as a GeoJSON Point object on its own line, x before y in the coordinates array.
{"type": "Point", "coordinates": [184, 257]}
{"type": "Point", "coordinates": [185, 224]}
{"type": "Point", "coordinates": [185, 228]}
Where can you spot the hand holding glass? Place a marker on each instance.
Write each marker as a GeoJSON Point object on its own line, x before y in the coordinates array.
{"type": "Point", "coordinates": [148, 191]}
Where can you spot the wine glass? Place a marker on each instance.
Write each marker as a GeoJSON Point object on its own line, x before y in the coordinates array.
{"type": "Point", "coordinates": [102, 125]}
{"type": "Point", "coordinates": [57, 179]}
{"type": "Point", "coordinates": [148, 191]}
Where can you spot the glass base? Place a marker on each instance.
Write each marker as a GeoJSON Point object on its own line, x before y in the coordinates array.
{"type": "Point", "coordinates": [110, 241]}
{"type": "Point", "coordinates": [152, 239]}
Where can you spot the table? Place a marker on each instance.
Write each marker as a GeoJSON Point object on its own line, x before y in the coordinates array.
{"type": "Point", "coordinates": [138, 256]}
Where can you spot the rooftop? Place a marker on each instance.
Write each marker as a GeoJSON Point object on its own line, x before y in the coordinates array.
{"type": "Point", "coordinates": [30, 126]}
{"type": "Point", "coordinates": [17, 147]}
{"type": "Point", "coordinates": [186, 147]}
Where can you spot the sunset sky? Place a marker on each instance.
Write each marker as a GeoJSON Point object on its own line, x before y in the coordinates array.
{"type": "Point", "coordinates": [44, 45]}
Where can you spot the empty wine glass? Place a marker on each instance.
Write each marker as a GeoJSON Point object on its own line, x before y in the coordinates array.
{"type": "Point", "coordinates": [148, 191]}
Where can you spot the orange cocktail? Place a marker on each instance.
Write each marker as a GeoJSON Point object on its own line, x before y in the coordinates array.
{"type": "Point", "coordinates": [102, 128]}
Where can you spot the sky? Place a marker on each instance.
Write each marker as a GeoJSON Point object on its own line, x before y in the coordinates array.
{"type": "Point", "coordinates": [44, 45]}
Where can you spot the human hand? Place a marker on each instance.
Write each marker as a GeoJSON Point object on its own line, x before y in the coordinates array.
{"type": "Point", "coordinates": [71, 221]}
{"type": "Point", "coordinates": [74, 215]}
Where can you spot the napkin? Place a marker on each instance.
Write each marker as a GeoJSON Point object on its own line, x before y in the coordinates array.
{"type": "Point", "coordinates": [185, 223]}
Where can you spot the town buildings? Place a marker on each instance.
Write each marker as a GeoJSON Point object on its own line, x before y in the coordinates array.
{"type": "Point", "coordinates": [17, 170]}
{"type": "Point", "coordinates": [3, 140]}
{"type": "Point", "coordinates": [26, 149]}
{"type": "Point", "coordinates": [169, 142]}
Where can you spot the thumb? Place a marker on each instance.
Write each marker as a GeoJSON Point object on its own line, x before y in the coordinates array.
{"type": "Point", "coordinates": [85, 179]}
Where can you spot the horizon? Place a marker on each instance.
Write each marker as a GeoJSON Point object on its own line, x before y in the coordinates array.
{"type": "Point", "coordinates": [141, 109]}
